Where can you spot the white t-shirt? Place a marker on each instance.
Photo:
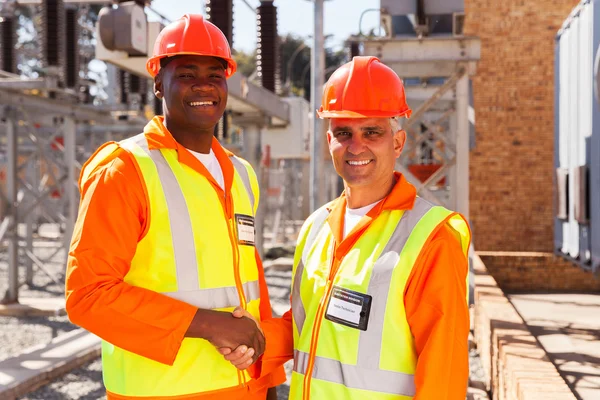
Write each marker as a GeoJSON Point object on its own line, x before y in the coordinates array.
{"type": "Point", "coordinates": [211, 163]}
{"type": "Point", "coordinates": [353, 215]}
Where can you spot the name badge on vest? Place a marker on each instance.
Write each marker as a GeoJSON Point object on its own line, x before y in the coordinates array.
{"type": "Point", "coordinates": [245, 229]}
{"type": "Point", "coordinates": [349, 308]}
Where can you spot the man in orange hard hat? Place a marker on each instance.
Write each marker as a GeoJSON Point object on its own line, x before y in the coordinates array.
{"type": "Point", "coordinates": [379, 291]}
{"type": "Point", "coordinates": [161, 253]}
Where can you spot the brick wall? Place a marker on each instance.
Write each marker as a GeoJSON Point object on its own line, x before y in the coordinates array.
{"type": "Point", "coordinates": [511, 204]}
{"type": "Point", "coordinates": [538, 272]}
{"type": "Point", "coordinates": [516, 366]}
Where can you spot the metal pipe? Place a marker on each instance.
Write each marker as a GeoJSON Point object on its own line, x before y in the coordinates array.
{"type": "Point", "coordinates": [249, 6]}
{"type": "Point", "coordinates": [46, 105]}
{"type": "Point", "coordinates": [12, 295]}
{"type": "Point", "coordinates": [70, 183]}
{"type": "Point", "coordinates": [461, 187]}
{"type": "Point", "coordinates": [361, 17]}
{"type": "Point", "coordinates": [317, 72]}
{"type": "Point", "coordinates": [32, 176]}
{"type": "Point", "coordinates": [288, 77]}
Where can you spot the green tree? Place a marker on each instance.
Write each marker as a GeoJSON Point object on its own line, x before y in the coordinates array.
{"type": "Point", "coordinates": [298, 68]}
{"type": "Point", "coordinates": [246, 62]}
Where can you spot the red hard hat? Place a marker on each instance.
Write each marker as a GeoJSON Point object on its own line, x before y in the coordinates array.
{"type": "Point", "coordinates": [364, 88]}
{"type": "Point", "coordinates": [191, 35]}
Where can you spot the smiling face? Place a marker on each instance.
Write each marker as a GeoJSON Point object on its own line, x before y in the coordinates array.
{"type": "Point", "coordinates": [364, 151]}
{"type": "Point", "coordinates": [194, 92]}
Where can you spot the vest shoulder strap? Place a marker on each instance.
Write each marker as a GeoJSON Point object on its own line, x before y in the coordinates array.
{"type": "Point", "coordinates": [248, 176]}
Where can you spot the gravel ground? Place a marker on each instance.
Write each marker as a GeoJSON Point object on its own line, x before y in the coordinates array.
{"type": "Point", "coordinates": [86, 382]}
{"type": "Point", "coordinates": [17, 334]}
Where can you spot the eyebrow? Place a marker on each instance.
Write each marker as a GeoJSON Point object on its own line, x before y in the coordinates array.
{"type": "Point", "coordinates": [372, 128]}
{"type": "Point", "coordinates": [195, 67]}
{"type": "Point", "coordinates": [364, 128]}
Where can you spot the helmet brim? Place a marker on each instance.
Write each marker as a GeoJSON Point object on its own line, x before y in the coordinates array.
{"type": "Point", "coordinates": [363, 114]}
{"type": "Point", "coordinates": [153, 63]}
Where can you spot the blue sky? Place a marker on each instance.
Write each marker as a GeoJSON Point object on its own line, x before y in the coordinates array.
{"type": "Point", "coordinates": [294, 16]}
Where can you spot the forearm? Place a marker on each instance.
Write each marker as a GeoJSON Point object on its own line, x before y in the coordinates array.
{"type": "Point", "coordinates": [438, 316]}
{"type": "Point", "coordinates": [279, 348]}
{"type": "Point", "coordinates": [127, 316]}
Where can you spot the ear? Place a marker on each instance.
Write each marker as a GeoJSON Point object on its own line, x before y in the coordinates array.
{"type": "Point", "coordinates": [329, 139]}
{"type": "Point", "coordinates": [158, 92]}
{"type": "Point", "coordinates": [399, 140]}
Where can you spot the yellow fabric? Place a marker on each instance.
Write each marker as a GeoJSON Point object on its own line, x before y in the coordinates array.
{"type": "Point", "coordinates": [339, 342]}
{"type": "Point", "coordinates": [198, 367]}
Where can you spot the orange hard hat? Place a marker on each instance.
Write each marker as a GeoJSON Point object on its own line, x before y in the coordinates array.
{"type": "Point", "coordinates": [191, 35]}
{"type": "Point", "coordinates": [364, 88]}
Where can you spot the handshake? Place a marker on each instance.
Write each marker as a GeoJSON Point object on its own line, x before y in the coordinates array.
{"type": "Point", "coordinates": [237, 335]}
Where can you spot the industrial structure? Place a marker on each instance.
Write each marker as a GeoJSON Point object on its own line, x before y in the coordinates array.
{"type": "Point", "coordinates": [577, 138]}
{"type": "Point", "coordinates": [58, 118]}
{"type": "Point", "coordinates": [531, 193]}
{"type": "Point", "coordinates": [425, 45]}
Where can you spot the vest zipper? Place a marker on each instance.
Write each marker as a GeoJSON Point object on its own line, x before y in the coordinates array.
{"type": "Point", "coordinates": [317, 327]}
{"type": "Point", "coordinates": [236, 266]}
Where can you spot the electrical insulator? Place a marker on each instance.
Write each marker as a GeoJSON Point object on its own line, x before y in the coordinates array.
{"type": "Point", "coordinates": [226, 118]}
{"type": "Point", "coordinates": [134, 83]}
{"type": "Point", "coordinates": [143, 91]}
{"type": "Point", "coordinates": [123, 86]}
{"type": "Point", "coordinates": [53, 34]}
{"type": "Point", "coordinates": [8, 40]}
{"type": "Point", "coordinates": [220, 13]}
{"type": "Point", "coordinates": [72, 48]}
{"type": "Point", "coordinates": [267, 51]}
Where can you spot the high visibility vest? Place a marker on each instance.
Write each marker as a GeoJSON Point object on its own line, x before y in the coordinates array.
{"type": "Point", "coordinates": [192, 252]}
{"type": "Point", "coordinates": [337, 361]}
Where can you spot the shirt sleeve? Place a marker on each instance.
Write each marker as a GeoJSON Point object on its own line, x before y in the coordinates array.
{"type": "Point", "coordinates": [269, 368]}
{"type": "Point", "coordinates": [111, 221]}
{"type": "Point", "coordinates": [438, 315]}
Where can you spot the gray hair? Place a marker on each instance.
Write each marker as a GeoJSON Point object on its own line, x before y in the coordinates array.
{"type": "Point", "coordinates": [395, 124]}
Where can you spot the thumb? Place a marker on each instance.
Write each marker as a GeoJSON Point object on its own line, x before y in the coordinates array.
{"type": "Point", "coordinates": [238, 312]}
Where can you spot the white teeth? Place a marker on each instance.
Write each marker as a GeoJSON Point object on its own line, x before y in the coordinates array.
{"type": "Point", "coordinates": [201, 103]}
{"type": "Point", "coordinates": [365, 162]}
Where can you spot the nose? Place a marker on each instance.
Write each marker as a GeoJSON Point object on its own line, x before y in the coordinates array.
{"type": "Point", "coordinates": [356, 145]}
{"type": "Point", "coordinates": [201, 84]}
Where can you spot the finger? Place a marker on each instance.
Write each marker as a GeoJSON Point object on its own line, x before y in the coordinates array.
{"type": "Point", "coordinates": [244, 360]}
{"type": "Point", "coordinates": [238, 312]}
{"type": "Point", "coordinates": [245, 365]}
{"type": "Point", "coordinates": [224, 350]}
{"type": "Point", "coordinates": [237, 353]}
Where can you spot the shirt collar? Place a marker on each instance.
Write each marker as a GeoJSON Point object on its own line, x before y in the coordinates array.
{"type": "Point", "coordinates": [401, 197]}
{"type": "Point", "coordinates": [159, 137]}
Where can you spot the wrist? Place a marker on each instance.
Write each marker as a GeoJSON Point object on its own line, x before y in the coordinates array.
{"type": "Point", "coordinates": [201, 324]}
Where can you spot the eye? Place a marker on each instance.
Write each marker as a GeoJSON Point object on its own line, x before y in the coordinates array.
{"type": "Point", "coordinates": [186, 75]}
{"type": "Point", "coordinates": [215, 76]}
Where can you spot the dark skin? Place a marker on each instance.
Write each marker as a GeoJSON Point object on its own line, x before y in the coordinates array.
{"type": "Point", "coordinates": [183, 84]}
{"type": "Point", "coordinates": [194, 94]}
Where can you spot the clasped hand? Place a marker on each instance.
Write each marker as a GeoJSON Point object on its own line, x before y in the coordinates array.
{"type": "Point", "coordinates": [243, 356]}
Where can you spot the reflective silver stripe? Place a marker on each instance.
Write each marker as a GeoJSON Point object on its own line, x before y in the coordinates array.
{"type": "Point", "coordinates": [243, 172]}
{"type": "Point", "coordinates": [217, 297]}
{"type": "Point", "coordinates": [298, 311]}
{"type": "Point", "coordinates": [181, 225]}
{"type": "Point", "coordinates": [369, 342]}
{"type": "Point", "coordinates": [318, 222]}
{"type": "Point", "coordinates": [251, 290]}
{"type": "Point", "coordinates": [355, 377]}
{"type": "Point", "coordinates": [183, 239]}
